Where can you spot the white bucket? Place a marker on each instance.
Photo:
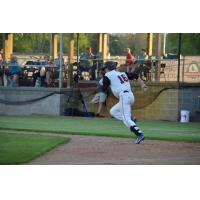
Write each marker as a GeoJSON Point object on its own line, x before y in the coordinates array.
{"type": "Point", "coordinates": [185, 115]}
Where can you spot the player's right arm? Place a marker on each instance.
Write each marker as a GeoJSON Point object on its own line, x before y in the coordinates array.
{"type": "Point", "coordinates": [133, 75]}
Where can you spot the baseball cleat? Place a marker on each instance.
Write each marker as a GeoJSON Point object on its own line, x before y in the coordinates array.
{"type": "Point", "coordinates": [139, 139]}
{"type": "Point", "coordinates": [98, 115]}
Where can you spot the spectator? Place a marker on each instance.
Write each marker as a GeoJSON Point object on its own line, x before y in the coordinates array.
{"type": "Point", "coordinates": [98, 64]}
{"type": "Point", "coordinates": [49, 77]}
{"type": "Point", "coordinates": [2, 63]}
{"type": "Point", "coordinates": [39, 74]}
{"type": "Point", "coordinates": [36, 78]}
{"type": "Point", "coordinates": [144, 55]}
{"type": "Point", "coordinates": [46, 60]}
{"type": "Point", "coordinates": [86, 62]}
{"type": "Point", "coordinates": [45, 72]}
{"type": "Point", "coordinates": [57, 61]}
{"type": "Point", "coordinates": [42, 75]}
{"type": "Point", "coordinates": [100, 96]}
{"type": "Point", "coordinates": [130, 60]}
{"type": "Point", "coordinates": [14, 71]}
{"type": "Point", "coordinates": [144, 65]}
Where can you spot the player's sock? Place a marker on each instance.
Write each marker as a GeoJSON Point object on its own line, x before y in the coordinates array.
{"type": "Point", "coordinates": [136, 130]}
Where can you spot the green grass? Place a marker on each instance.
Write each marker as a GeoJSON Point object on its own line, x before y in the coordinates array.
{"type": "Point", "coordinates": [20, 148]}
{"type": "Point", "coordinates": [160, 130]}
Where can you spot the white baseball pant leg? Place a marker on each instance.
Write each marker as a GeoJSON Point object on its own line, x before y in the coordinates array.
{"type": "Point", "coordinates": [122, 110]}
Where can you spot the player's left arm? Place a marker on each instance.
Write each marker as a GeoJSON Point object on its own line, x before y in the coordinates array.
{"type": "Point", "coordinates": [106, 83]}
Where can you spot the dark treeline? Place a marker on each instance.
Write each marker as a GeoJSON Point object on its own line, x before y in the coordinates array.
{"type": "Point", "coordinates": [40, 42]}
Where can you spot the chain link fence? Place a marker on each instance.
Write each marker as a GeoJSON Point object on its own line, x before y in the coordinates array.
{"type": "Point", "coordinates": [152, 70]}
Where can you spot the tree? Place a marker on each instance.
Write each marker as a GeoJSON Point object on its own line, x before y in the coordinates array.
{"type": "Point", "coordinates": [1, 40]}
{"type": "Point", "coordinates": [31, 42]}
{"type": "Point", "coordinates": [190, 44]}
{"type": "Point", "coordinates": [115, 45]}
{"type": "Point", "coordinates": [119, 42]}
{"type": "Point", "coordinates": [84, 42]}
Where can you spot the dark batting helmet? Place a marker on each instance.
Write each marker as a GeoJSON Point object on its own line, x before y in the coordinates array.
{"type": "Point", "coordinates": [110, 65]}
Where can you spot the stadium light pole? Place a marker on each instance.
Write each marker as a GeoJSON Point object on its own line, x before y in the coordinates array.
{"type": "Point", "coordinates": [77, 51]}
{"type": "Point", "coordinates": [179, 54]}
{"type": "Point", "coordinates": [51, 45]}
{"type": "Point", "coordinates": [164, 43]}
{"type": "Point", "coordinates": [60, 60]}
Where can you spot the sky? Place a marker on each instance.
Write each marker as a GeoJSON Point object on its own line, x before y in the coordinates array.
{"type": "Point", "coordinates": [127, 16]}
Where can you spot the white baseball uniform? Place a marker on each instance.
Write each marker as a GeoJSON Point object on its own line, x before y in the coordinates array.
{"type": "Point", "coordinates": [121, 88]}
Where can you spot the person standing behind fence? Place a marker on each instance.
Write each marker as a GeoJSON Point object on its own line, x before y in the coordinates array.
{"type": "Point", "coordinates": [144, 64]}
{"type": "Point", "coordinates": [100, 96]}
{"type": "Point", "coordinates": [86, 58]}
{"type": "Point", "coordinates": [130, 60]}
{"type": "Point", "coordinates": [42, 75]}
{"type": "Point", "coordinates": [144, 56]}
{"type": "Point", "coordinates": [14, 71]}
{"type": "Point", "coordinates": [2, 63]}
{"type": "Point", "coordinates": [86, 62]}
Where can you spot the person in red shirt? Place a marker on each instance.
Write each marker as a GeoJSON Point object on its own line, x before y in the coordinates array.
{"type": "Point", "coordinates": [130, 59]}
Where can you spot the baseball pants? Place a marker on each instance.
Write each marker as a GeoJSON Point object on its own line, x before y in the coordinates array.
{"type": "Point", "coordinates": [122, 110]}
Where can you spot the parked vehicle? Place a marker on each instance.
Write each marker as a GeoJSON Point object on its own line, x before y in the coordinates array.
{"type": "Point", "coordinates": [34, 68]}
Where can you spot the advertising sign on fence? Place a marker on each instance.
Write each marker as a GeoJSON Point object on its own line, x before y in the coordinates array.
{"type": "Point", "coordinates": [189, 70]}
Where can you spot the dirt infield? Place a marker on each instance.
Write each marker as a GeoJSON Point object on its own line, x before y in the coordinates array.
{"type": "Point", "coordinates": [91, 150]}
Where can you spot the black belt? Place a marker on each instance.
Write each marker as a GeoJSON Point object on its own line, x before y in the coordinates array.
{"type": "Point", "coordinates": [125, 91]}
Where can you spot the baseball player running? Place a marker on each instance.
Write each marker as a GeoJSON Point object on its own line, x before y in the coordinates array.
{"type": "Point", "coordinates": [121, 88]}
